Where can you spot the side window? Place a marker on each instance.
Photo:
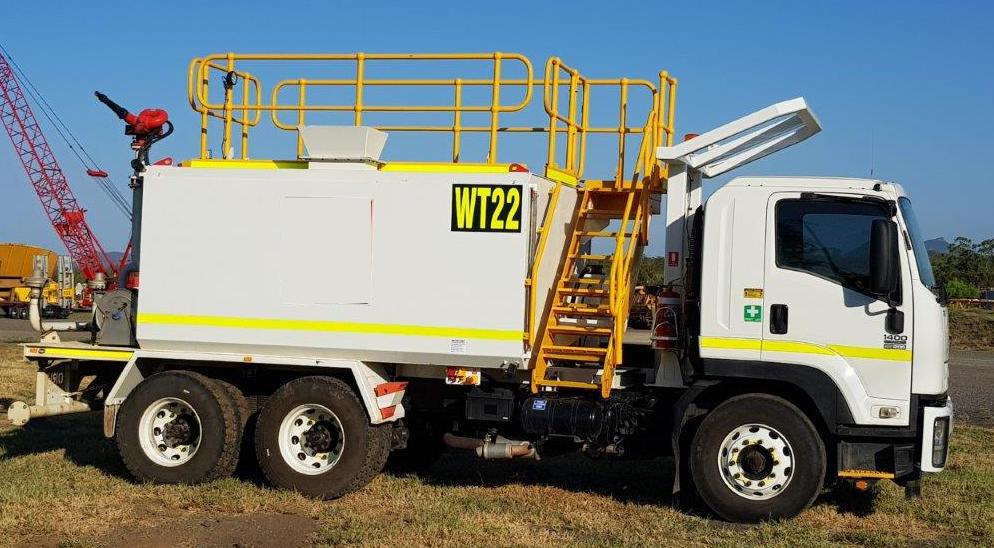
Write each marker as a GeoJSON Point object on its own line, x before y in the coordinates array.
{"type": "Point", "coordinates": [827, 238]}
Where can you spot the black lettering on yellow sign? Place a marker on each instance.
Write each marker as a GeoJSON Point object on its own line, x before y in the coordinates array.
{"type": "Point", "coordinates": [486, 208]}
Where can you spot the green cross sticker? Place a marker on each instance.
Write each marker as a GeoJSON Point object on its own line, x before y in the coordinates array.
{"type": "Point", "coordinates": [753, 313]}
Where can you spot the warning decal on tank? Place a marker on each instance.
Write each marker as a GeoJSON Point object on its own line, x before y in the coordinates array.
{"type": "Point", "coordinates": [486, 208]}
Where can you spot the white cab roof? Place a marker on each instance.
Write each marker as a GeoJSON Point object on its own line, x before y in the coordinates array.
{"type": "Point", "coordinates": [814, 183]}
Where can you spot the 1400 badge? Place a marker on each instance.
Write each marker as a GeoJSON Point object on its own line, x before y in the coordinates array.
{"type": "Point", "coordinates": [486, 208]}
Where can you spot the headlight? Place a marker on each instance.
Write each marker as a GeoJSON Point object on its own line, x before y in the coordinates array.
{"type": "Point", "coordinates": [940, 439]}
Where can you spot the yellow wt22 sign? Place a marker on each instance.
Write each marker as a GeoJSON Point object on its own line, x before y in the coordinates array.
{"type": "Point", "coordinates": [486, 208]}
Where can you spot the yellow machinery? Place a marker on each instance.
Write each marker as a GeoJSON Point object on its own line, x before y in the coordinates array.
{"type": "Point", "coordinates": [584, 319]}
{"type": "Point", "coordinates": [16, 263]}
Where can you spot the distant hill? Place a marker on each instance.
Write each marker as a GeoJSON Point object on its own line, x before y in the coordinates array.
{"type": "Point", "coordinates": [115, 256]}
{"type": "Point", "coordinates": [937, 245]}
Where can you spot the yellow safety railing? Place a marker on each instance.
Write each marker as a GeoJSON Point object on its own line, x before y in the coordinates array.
{"type": "Point", "coordinates": [199, 79]}
{"type": "Point", "coordinates": [648, 176]}
{"type": "Point", "coordinates": [294, 96]}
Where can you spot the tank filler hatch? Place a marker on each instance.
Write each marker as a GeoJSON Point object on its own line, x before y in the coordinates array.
{"type": "Point", "coordinates": [342, 143]}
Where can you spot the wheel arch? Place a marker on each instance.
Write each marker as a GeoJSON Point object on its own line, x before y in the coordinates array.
{"type": "Point", "coordinates": [809, 389]}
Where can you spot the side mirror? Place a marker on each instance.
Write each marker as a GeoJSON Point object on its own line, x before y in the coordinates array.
{"type": "Point", "coordinates": [884, 261]}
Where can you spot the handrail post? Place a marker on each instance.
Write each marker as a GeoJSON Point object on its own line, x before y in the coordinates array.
{"type": "Point", "coordinates": [552, 69]}
{"type": "Point", "coordinates": [228, 97]}
{"type": "Point", "coordinates": [245, 114]}
{"type": "Point", "coordinates": [619, 178]}
{"type": "Point", "coordinates": [571, 125]}
{"type": "Point", "coordinates": [584, 124]}
{"type": "Point", "coordinates": [494, 110]}
{"type": "Point", "coordinates": [300, 117]}
{"type": "Point", "coordinates": [360, 71]}
{"type": "Point", "coordinates": [456, 119]}
{"type": "Point", "coordinates": [201, 84]}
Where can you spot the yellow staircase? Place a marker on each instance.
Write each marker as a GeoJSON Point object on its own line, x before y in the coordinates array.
{"type": "Point", "coordinates": [580, 335]}
{"type": "Point", "coordinates": [585, 323]}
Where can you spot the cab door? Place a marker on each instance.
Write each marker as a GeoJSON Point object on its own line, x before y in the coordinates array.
{"type": "Point", "coordinates": [818, 311]}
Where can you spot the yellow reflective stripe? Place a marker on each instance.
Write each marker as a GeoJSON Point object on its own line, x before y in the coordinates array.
{"type": "Point", "coordinates": [797, 347]}
{"type": "Point", "coordinates": [246, 164]}
{"type": "Point", "coordinates": [560, 176]}
{"type": "Point", "coordinates": [872, 353]}
{"type": "Point", "coordinates": [730, 344]}
{"type": "Point", "coordinates": [322, 325]}
{"type": "Point", "coordinates": [807, 348]}
{"type": "Point", "coordinates": [441, 167]}
{"type": "Point", "coordinates": [75, 353]}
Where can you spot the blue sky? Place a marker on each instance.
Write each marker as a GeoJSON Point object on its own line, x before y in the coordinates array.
{"type": "Point", "coordinates": [905, 87]}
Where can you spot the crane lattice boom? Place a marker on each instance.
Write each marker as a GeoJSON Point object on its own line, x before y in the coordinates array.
{"type": "Point", "coordinates": [47, 178]}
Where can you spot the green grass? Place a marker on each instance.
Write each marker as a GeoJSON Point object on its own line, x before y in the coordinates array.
{"type": "Point", "coordinates": [61, 483]}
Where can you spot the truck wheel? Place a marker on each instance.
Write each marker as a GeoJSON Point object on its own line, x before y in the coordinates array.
{"type": "Point", "coordinates": [23, 313]}
{"type": "Point", "coordinates": [313, 436]}
{"type": "Point", "coordinates": [179, 427]}
{"type": "Point", "coordinates": [757, 457]}
{"type": "Point", "coordinates": [237, 399]}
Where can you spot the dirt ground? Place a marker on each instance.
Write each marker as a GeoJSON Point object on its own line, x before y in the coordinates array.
{"type": "Point", "coordinates": [971, 329]}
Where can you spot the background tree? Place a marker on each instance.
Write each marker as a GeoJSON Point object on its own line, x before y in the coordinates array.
{"type": "Point", "coordinates": [966, 268]}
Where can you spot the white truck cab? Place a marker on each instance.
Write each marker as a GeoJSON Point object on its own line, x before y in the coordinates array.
{"type": "Point", "coordinates": [817, 287]}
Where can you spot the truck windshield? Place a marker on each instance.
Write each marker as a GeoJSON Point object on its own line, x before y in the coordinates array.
{"type": "Point", "coordinates": [921, 253]}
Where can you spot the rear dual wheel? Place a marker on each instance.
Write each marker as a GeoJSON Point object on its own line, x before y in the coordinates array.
{"type": "Point", "coordinates": [180, 427]}
{"type": "Point", "coordinates": [313, 436]}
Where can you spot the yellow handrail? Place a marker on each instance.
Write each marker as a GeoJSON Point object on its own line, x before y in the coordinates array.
{"type": "Point", "coordinates": [571, 119]}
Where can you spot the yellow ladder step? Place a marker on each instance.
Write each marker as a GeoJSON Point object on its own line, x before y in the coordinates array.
{"type": "Point", "coordinates": [583, 310]}
{"type": "Point", "coordinates": [582, 292]}
{"type": "Point", "coordinates": [567, 384]}
{"type": "Point", "coordinates": [589, 257]}
{"type": "Point", "coordinates": [583, 281]}
{"type": "Point", "coordinates": [580, 330]}
{"type": "Point", "coordinates": [602, 213]}
{"type": "Point", "coordinates": [574, 352]}
{"type": "Point", "coordinates": [600, 233]}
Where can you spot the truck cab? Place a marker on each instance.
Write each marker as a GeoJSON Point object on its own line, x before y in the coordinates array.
{"type": "Point", "coordinates": [814, 290]}
{"type": "Point", "coordinates": [787, 267]}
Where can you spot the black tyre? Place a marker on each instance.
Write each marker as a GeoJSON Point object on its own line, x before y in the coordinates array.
{"type": "Point", "coordinates": [757, 457]}
{"type": "Point", "coordinates": [237, 399]}
{"type": "Point", "coordinates": [244, 414]}
{"type": "Point", "coordinates": [313, 436]}
{"type": "Point", "coordinates": [178, 427]}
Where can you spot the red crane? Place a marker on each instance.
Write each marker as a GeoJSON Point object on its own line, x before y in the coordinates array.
{"type": "Point", "coordinates": [57, 198]}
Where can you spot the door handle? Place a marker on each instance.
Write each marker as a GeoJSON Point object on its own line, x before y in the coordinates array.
{"type": "Point", "coordinates": [778, 319]}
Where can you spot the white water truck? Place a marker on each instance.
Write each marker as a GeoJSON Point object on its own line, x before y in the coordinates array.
{"type": "Point", "coordinates": [799, 343]}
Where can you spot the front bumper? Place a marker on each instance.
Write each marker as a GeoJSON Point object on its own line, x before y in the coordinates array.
{"type": "Point", "coordinates": [901, 454]}
{"type": "Point", "coordinates": [936, 428]}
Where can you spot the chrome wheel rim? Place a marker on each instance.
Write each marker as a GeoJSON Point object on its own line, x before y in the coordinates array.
{"type": "Point", "coordinates": [170, 432]}
{"type": "Point", "coordinates": [756, 461]}
{"type": "Point", "coordinates": [311, 439]}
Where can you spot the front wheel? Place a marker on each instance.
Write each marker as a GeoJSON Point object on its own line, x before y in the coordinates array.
{"type": "Point", "coordinates": [757, 457]}
{"type": "Point", "coordinates": [313, 436]}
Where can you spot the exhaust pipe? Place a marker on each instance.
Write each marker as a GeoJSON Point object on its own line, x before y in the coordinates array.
{"type": "Point", "coordinates": [500, 448]}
